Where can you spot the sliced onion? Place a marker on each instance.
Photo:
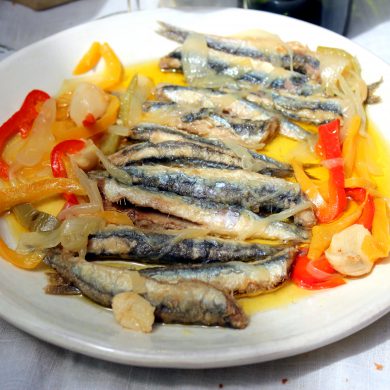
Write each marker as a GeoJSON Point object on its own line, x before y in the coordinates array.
{"type": "Point", "coordinates": [140, 88]}
{"type": "Point", "coordinates": [87, 99]}
{"type": "Point", "coordinates": [123, 131]}
{"type": "Point", "coordinates": [333, 162]}
{"type": "Point", "coordinates": [40, 140]}
{"type": "Point", "coordinates": [248, 161]}
{"type": "Point", "coordinates": [283, 215]}
{"type": "Point", "coordinates": [75, 231]}
{"type": "Point", "coordinates": [113, 170]}
{"type": "Point", "coordinates": [317, 273]}
{"type": "Point", "coordinates": [95, 200]}
{"type": "Point", "coordinates": [72, 234]}
{"type": "Point", "coordinates": [39, 240]}
{"type": "Point", "coordinates": [195, 57]}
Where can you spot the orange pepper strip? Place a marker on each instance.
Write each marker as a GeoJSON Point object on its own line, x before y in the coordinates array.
{"type": "Point", "coordinates": [33, 192]}
{"type": "Point", "coordinates": [115, 217]}
{"type": "Point", "coordinates": [113, 72]}
{"type": "Point", "coordinates": [307, 186]}
{"type": "Point", "coordinates": [322, 234]}
{"type": "Point", "coordinates": [380, 226]}
{"type": "Point", "coordinates": [64, 131]}
{"type": "Point", "coordinates": [349, 145]}
{"type": "Point", "coordinates": [21, 260]}
{"type": "Point", "coordinates": [89, 59]}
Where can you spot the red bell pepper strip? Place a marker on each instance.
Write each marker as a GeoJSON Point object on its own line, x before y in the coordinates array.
{"type": "Point", "coordinates": [58, 166]}
{"type": "Point", "coordinates": [358, 194]}
{"type": "Point", "coordinates": [329, 145]}
{"type": "Point", "coordinates": [367, 216]}
{"type": "Point", "coordinates": [303, 278]}
{"type": "Point", "coordinates": [20, 122]}
{"type": "Point", "coordinates": [89, 120]}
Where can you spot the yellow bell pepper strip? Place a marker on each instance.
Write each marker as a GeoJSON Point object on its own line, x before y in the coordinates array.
{"type": "Point", "coordinates": [36, 191]}
{"type": "Point", "coordinates": [377, 245]}
{"type": "Point", "coordinates": [21, 260]}
{"type": "Point", "coordinates": [349, 145]}
{"type": "Point", "coordinates": [112, 74]}
{"type": "Point", "coordinates": [115, 217]}
{"type": "Point", "coordinates": [307, 185]}
{"type": "Point", "coordinates": [322, 234]}
{"type": "Point", "coordinates": [380, 226]}
{"type": "Point", "coordinates": [67, 130]}
{"type": "Point", "coordinates": [20, 122]}
{"type": "Point", "coordinates": [330, 149]}
{"type": "Point", "coordinates": [89, 60]}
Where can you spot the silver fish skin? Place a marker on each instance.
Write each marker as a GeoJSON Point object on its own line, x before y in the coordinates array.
{"type": "Point", "coordinates": [236, 278]}
{"type": "Point", "coordinates": [206, 122]}
{"type": "Point", "coordinates": [284, 55]}
{"type": "Point", "coordinates": [249, 73]}
{"type": "Point", "coordinates": [157, 134]}
{"type": "Point", "coordinates": [188, 302]}
{"type": "Point", "coordinates": [314, 110]}
{"type": "Point", "coordinates": [183, 153]}
{"type": "Point", "coordinates": [219, 219]}
{"type": "Point", "coordinates": [229, 103]}
{"type": "Point", "coordinates": [148, 247]}
{"type": "Point", "coordinates": [247, 189]}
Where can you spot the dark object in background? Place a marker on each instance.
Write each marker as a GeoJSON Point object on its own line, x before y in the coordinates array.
{"type": "Point", "coordinates": [331, 14]}
{"type": "Point", "coordinates": [39, 5]}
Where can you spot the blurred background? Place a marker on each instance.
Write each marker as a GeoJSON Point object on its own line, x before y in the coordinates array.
{"type": "Point", "coordinates": [23, 22]}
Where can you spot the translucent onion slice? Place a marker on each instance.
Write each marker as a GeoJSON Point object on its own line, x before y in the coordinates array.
{"type": "Point", "coordinates": [249, 162]}
{"type": "Point", "coordinates": [95, 200]}
{"type": "Point", "coordinates": [140, 88]}
{"type": "Point", "coordinates": [40, 140]}
{"type": "Point", "coordinates": [114, 171]}
{"type": "Point", "coordinates": [72, 234]}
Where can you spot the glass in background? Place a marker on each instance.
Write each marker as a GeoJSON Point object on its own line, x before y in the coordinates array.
{"type": "Point", "coordinates": [331, 14]}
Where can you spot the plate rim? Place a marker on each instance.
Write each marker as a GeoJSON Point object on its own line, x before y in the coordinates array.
{"type": "Point", "coordinates": [168, 360]}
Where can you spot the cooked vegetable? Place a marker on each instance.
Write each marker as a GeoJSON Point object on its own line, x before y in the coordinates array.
{"type": "Point", "coordinates": [33, 219]}
{"type": "Point", "coordinates": [36, 191]}
{"type": "Point", "coordinates": [58, 165]}
{"type": "Point", "coordinates": [314, 275]}
{"type": "Point", "coordinates": [346, 252]}
{"type": "Point", "coordinates": [64, 130]}
{"type": "Point", "coordinates": [21, 260]}
{"type": "Point", "coordinates": [20, 122]}
{"type": "Point", "coordinates": [322, 234]}
{"type": "Point", "coordinates": [88, 104]}
{"type": "Point", "coordinates": [40, 141]}
{"type": "Point", "coordinates": [89, 60]}
{"type": "Point", "coordinates": [329, 146]}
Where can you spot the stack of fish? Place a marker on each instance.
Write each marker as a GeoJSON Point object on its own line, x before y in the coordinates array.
{"type": "Point", "coordinates": [197, 190]}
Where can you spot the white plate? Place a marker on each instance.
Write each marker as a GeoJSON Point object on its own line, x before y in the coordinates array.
{"type": "Point", "coordinates": [74, 324]}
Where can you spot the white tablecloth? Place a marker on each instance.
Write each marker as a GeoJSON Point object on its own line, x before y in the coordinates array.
{"type": "Point", "coordinates": [359, 362]}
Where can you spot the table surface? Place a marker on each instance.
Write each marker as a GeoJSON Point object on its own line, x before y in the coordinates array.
{"type": "Point", "coordinates": [361, 361]}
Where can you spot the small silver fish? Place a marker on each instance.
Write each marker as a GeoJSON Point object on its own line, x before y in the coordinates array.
{"type": "Point", "coordinates": [211, 123]}
{"type": "Point", "coordinates": [224, 220]}
{"type": "Point", "coordinates": [282, 54]}
{"type": "Point", "coordinates": [237, 278]}
{"type": "Point", "coordinates": [248, 73]}
{"type": "Point", "coordinates": [170, 248]}
{"type": "Point", "coordinates": [157, 134]}
{"type": "Point", "coordinates": [229, 103]}
{"type": "Point", "coordinates": [188, 302]}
